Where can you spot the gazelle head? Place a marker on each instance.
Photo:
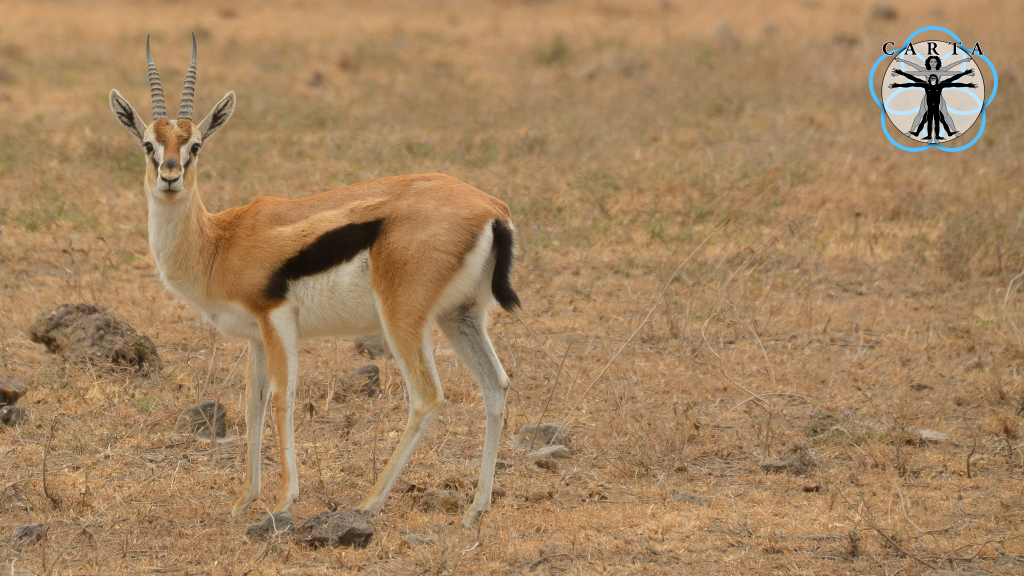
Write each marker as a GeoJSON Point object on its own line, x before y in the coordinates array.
{"type": "Point", "coordinates": [171, 147]}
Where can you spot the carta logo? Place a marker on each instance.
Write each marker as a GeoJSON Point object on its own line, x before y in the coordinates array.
{"type": "Point", "coordinates": [933, 91]}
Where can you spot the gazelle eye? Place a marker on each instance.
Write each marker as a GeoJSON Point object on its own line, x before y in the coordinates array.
{"type": "Point", "coordinates": [195, 148]}
{"type": "Point", "coordinates": [149, 147]}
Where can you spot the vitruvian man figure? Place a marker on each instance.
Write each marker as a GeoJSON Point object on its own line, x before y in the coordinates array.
{"type": "Point", "coordinates": [933, 106]}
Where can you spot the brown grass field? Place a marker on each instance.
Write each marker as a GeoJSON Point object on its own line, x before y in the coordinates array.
{"type": "Point", "coordinates": [856, 295]}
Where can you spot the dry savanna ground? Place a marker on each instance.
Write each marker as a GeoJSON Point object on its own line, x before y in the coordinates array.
{"type": "Point", "coordinates": [856, 295]}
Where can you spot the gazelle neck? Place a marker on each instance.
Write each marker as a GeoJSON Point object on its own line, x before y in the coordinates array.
{"type": "Point", "coordinates": [181, 237]}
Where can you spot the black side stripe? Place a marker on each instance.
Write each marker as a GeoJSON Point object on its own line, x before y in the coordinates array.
{"type": "Point", "coordinates": [329, 250]}
{"type": "Point", "coordinates": [501, 282]}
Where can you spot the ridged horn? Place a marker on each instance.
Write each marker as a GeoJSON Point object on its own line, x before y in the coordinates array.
{"type": "Point", "coordinates": [155, 89]}
{"type": "Point", "coordinates": [185, 110]}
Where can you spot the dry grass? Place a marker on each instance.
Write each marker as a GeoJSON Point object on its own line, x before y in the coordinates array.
{"type": "Point", "coordinates": [857, 295]}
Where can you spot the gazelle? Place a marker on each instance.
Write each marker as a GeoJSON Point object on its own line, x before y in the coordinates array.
{"type": "Point", "coordinates": [396, 255]}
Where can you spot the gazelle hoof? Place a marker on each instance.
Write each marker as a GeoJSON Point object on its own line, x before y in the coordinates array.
{"type": "Point", "coordinates": [240, 507]}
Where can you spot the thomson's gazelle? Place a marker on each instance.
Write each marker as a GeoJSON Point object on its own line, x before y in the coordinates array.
{"type": "Point", "coordinates": [395, 255]}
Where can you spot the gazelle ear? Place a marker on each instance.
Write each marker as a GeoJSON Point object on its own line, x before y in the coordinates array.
{"type": "Point", "coordinates": [218, 116]}
{"type": "Point", "coordinates": [127, 116]}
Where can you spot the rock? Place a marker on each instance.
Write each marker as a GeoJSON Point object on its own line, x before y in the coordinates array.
{"type": "Point", "coordinates": [272, 525]}
{"type": "Point", "coordinates": [446, 501]}
{"type": "Point", "coordinates": [540, 496]}
{"type": "Point", "coordinates": [26, 535]}
{"type": "Point", "coordinates": [557, 452]}
{"type": "Point", "coordinates": [537, 435]}
{"type": "Point", "coordinates": [688, 498]}
{"type": "Point", "coordinates": [366, 379]}
{"type": "Point", "coordinates": [10, 390]}
{"type": "Point", "coordinates": [372, 345]}
{"type": "Point", "coordinates": [201, 419]}
{"type": "Point", "coordinates": [797, 464]}
{"type": "Point", "coordinates": [883, 12]}
{"type": "Point", "coordinates": [82, 333]}
{"type": "Point", "coordinates": [414, 540]}
{"type": "Point", "coordinates": [497, 492]}
{"type": "Point", "coordinates": [498, 464]}
{"type": "Point", "coordinates": [547, 464]}
{"type": "Point", "coordinates": [344, 528]}
{"type": "Point", "coordinates": [12, 416]}
{"type": "Point", "coordinates": [933, 435]}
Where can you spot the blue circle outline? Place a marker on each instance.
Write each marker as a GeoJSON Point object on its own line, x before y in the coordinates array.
{"type": "Point", "coordinates": [885, 128]}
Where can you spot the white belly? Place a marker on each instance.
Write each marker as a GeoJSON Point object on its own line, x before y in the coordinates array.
{"type": "Point", "coordinates": [338, 302]}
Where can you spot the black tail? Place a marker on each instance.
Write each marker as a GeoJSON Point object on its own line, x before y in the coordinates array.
{"type": "Point", "coordinates": [501, 283]}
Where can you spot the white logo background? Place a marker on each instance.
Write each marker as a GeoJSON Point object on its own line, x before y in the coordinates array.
{"type": "Point", "coordinates": [960, 106]}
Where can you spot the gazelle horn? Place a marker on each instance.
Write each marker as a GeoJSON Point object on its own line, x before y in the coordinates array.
{"type": "Point", "coordinates": [155, 90]}
{"type": "Point", "coordinates": [185, 110]}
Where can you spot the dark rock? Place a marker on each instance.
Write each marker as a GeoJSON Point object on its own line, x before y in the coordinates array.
{"type": "Point", "coordinates": [884, 12]}
{"type": "Point", "coordinates": [26, 535]}
{"type": "Point", "coordinates": [12, 416]}
{"type": "Point", "coordinates": [540, 496]}
{"type": "Point", "coordinates": [557, 452]}
{"type": "Point", "coordinates": [272, 525]}
{"type": "Point", "coordinates": [10, 390]}
{"type": "Point", "coordinates": [344, 528]}
{"type": "Point", "coordinates": [414, 540]}
{"type": "Point", "coordinates": [498, 464]}
{"type": "Point", "coordinates": [367, 380]}
{"type": "Point", "coordinates": [688, 498]}
{"type": "Point", "coordinates": [201, 419]}
{"type": "Point", "coordinates": [82, 333]}
{"type": "Point", "coordinates": [372, 345]}
{"type": "Point", "coordinates": [537, 435]}
{"type": "Point", "coordinates": [547, 464]}
{"type": "Point", "coordinates": [446, 501]}
{"type": "Point", "coordinates": [797, 464]}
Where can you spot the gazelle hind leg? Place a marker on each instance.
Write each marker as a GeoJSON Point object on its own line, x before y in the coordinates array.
{"type": "Point", "coordinates": [466, 331]}
{"type": "Point", "coordinates": [416, 360]}
{"type": "Point", "coordinates": [257, 392]}
{"type": "Point", "coordinates": [280, 336]}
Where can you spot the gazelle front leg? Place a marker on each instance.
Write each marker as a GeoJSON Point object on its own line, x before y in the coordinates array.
{"type": "Point", "coordinates": [280, 336]}
{"type": "Point", "coordinates": [257, 392]}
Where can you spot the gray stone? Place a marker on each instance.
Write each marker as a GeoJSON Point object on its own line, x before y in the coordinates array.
{"type": "Point", "coordinates": [82, 333]}
{"type": "Point", "coordinates": [797, 464]}
{"type": "Point", "coordinates": [367, 380]}
{"type": "Point", "coordinates": [933, 435]}
{"type": "Point", "coordinates": [12, 416]}
{"type": "Point", "coordinates": [26, 535]}
{"type": "Point", "coordinates": [272, 525]}
{"type": "Point", "coordinates": [498, 464]}
{"type": "Point", "coordinates": [557, 452]}
{"type": "Point", "coordinates": [414, 540]}
{"type": "Point", "coordinates": [202, 419]}
{"type": "Point", "coordinates": [688, 498]}
{"type": "Point", "coordinates": [372, 345]}
{"type": "Point", "coordinates": [446, 501]}
{"type": "Point", "coordinates": [10, 390]}
{"type": "Point", "coordinates": [537, 435]}
{"type": "Point", "coordinates": [344, 528]}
